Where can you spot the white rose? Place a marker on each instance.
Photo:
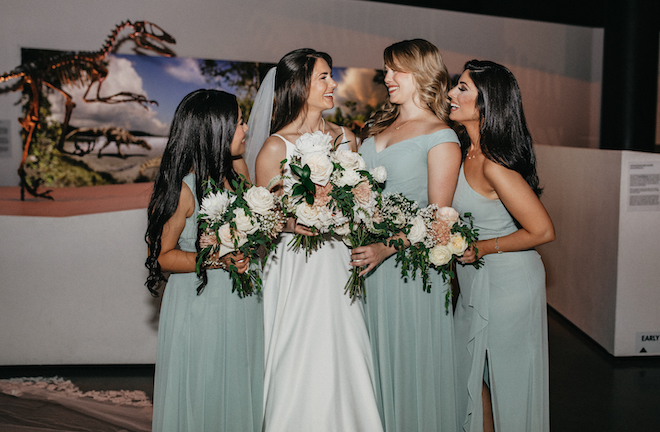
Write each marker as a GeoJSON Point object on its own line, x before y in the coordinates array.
{"type": "Point", "coordinates": [307, 215]}
{"type": "Point", "coordinates": [244, 222]}
{"type": "Point", "coordinates": [259, 199]}
{"type": "Point", "coordinates": [447, 214]}
{"type": "Point", "coordinates": [224, 235]}
{"type": "Point", "coordinates": [457, 244]}
{"type": "Point", "coordinates": [215, 205]}
{"type": "Point", "coordinates": [418, 230]}
{"type": "Point", "coordinates": [240, 237]}
{"type": "Point", "coordinates": [349, 177]}
{"type": "Point", "coordinates": [379, 174]}
{"type": "Point", "coordinates": [313, 143]}
{"type": "Point", "coordinates": [439, 255]}
{"type": "Point", "coordinates": [348, 159]}
{"type": "Point", "coordinates": [320, 166]}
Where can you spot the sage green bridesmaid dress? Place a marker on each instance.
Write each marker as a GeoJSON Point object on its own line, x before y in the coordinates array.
{"type": "Point", "coordinates": [410, 330]}
{"type": "Point", "coordinates": [501, 327]}
{"type": "Point", "coordinates": [210, 355]}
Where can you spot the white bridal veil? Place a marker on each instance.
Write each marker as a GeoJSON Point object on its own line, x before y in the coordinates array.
{"type": "Point", "coordinates": [259, 122]}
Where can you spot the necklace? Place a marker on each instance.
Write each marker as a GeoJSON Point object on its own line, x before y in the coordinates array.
{"type": "Point", "coordinates": [310, 129]}
{"type": "Point", "coordinates": [473, 156]}
{"type": "Point", "coordinates": [403, 124]}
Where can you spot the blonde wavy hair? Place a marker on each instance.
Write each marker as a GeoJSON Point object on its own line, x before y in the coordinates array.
{"type": "Point", "coordinates": [423, 60]}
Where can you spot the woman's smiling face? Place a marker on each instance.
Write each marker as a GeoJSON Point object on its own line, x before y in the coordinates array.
{"type": "Point", "coordinates": [321, 87]}
{"type": "Point", "coordinates": [463, 99]}
{"type": "Point", "coordinates": [400, 85]}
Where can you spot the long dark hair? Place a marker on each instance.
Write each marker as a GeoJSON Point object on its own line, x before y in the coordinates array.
{"type": "Point", "coordinates": [200, 142]}
{"type": "Point", "coordinates": [423, 60]}
{"type": "Point", "coordinates": [505, 138]}
{"type": "Point", "coordinates": [292, 81]}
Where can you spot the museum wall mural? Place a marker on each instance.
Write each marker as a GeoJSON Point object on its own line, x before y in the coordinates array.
{"type": "Point", "coordinates": [113, 142]}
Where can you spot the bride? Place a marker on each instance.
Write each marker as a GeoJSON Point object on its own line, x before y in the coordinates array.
{"type": "Point", "coordinates": [318, 365]}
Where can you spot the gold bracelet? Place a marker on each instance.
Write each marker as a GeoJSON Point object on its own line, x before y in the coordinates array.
{"type": "Point", "coordinates": [497, 247]}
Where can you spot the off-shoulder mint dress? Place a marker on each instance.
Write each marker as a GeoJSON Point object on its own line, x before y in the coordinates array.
{"type": "Point", "coordinates": [501, 327]}
{"type": "Point", "coordinates": [210, 355]}
{"type": "Point", "coordinates": [410, 330]}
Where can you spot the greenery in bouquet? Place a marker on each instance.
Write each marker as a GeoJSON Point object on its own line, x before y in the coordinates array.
{"type": "Point", "coordinates": [437, 236]}
{"type": "Point", "coordinates": [333, 193]}
{"type": "Point", "coordinates": [363, 203]}
{"type": "Point", "coordinates": [245, 219]}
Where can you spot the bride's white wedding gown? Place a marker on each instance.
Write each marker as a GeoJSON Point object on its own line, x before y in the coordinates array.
{"type": "Point", "coordinates": [318, 371]}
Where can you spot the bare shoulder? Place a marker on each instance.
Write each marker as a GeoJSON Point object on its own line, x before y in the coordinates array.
{"type": "Point", "coordinates": [501, 178]}
{"type": "Point", "coordinates": [186, 201]}
{"type": "Point", "coordinates": [274, 146]}
{"type": "Point", "coordinates": [431, 124]}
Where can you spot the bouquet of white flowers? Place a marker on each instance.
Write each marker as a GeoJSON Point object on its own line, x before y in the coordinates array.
{"type": "Point", "coordinates": [330, 186]}
{"type": "Point", "coordinates": [437, 236]}
{"type": "Point", "coordinates": [245, 219]}
{"type": "Point", "coordinates": [333, 193]}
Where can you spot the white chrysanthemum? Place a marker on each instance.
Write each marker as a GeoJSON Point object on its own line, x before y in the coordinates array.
{"type": "Point", "coordinates": [215, 205]}
{"type": "Point", "coordinates": [314, 143]}
{"type": "Point", "coordinates": [325, 219]}
{"type": "Point", "coordinates": [338, 218]}
{"type": "Point", "coordinates": [343, 229]}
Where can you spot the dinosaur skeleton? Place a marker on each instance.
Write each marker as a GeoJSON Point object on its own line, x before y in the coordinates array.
{"type": "Point", "coordinates": [112, 134]}
{"type": "Point", "coordinates": [79, 69]}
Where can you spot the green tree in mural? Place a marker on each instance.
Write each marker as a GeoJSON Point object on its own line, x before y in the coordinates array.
{"type": "Point", "coordinates": [243, 78]}
{"type": "Point", "coordinates": [45, 164]}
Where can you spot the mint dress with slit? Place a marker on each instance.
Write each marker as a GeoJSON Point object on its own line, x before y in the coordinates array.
{"type": "Point", "coordinates": [210, 355]}
{"type": "Point", "coordinates": [501, 327]}
{"type": "Point", "coordinates": [410, 330]}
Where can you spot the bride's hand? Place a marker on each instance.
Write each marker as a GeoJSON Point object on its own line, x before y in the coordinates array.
{"type": "Point", "coordinates": [370, 256]}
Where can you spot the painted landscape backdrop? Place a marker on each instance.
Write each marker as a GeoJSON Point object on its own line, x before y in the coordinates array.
{"type": "Point", "coordinates": [166, 81]}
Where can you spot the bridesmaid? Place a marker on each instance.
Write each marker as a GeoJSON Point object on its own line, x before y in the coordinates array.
{"type": "Point", "coordinates": [500, 321]}
{"type": "Point", "coordinates": [209, 364]}
{"type": "Point", "coordinates": [411, 332]}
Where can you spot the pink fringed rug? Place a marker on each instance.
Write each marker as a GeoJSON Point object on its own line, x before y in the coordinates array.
{"type": "Point", "coordinates": [54, 404]}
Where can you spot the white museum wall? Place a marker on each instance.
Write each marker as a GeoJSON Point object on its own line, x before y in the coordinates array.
{"type": "Point", "coordinates": [72, 290]}
{"type": "Point", "coordinates": [602, 271]}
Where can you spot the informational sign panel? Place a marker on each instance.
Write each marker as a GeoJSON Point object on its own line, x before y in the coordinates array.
{"type": "Point", "coordinates": [648, 343]}
{"type": "Point", "coordinates": [644, 186]}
